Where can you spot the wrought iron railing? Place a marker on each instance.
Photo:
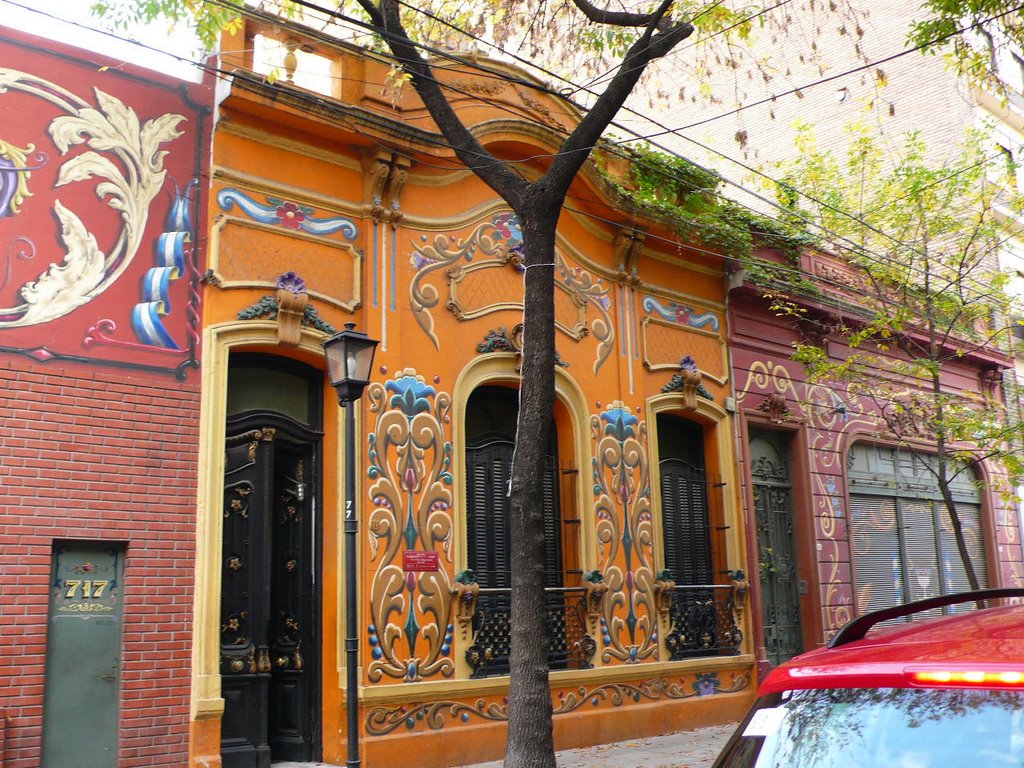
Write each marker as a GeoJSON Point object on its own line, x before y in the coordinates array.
{"type": "Point", "coordinates": [702, 621]}
{"type": "Point", "coordinates": [569, 644]}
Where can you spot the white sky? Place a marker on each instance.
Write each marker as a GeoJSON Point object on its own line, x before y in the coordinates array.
{"type": "Point", "coordinates": [56, 20]}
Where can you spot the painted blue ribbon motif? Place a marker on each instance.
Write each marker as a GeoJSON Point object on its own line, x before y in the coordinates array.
{"type": "Point", "coordinates": [268, 214]}
{"type": "Point", "coordinates": [169, 257]}
{"type": "Point", "coordinates": [146, 316]}
{"type": "Point", "coordinates": [680, 313]}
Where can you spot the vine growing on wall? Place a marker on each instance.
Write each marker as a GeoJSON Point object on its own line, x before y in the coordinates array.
{"type": "Point", "coordinates": [687, 198]}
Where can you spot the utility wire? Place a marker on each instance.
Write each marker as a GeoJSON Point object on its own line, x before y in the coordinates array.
{"type": "Point", "coordinates": [742, 188]}
{"type": "Point", "coordinates": [442, 143]}
{"type": "Point", "coordinates": [594, 81]}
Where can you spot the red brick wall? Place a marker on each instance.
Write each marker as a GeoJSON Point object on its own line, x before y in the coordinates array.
{"type": "Point", "coordinates": [99, 454]}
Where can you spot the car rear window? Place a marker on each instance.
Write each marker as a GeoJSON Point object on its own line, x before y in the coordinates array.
{"type": "Point", "coordinates": [898, 727]}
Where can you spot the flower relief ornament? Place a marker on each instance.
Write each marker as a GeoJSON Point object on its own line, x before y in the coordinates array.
{"type": "Point", "coordinates": [15, 172]}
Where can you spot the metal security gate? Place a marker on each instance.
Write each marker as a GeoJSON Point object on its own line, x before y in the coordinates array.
{"type": "Point", "coordinates": [269, 650]}
{"type": "Point", "coordinates": [776, 545]}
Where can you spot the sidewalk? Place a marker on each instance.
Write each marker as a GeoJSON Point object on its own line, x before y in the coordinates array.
{"type": "Point", "coordinates": [683, 749]}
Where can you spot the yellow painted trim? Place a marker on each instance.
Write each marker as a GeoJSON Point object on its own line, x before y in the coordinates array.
{"type": "Point", "coordinates": [496, 686]}
{"type": "Point", "coordinates": [621, 672]}
{"type": "Point", "coordinates": [475, 215]}
{"type": "Point", "coordinates": [458, 274]}
{"type": "Point", "coordinates": [334, 420]}
{"type": "Point", "coordinates": [218, 343]}
{"type": "Point", "coordinates": [567, 250]}
{"type": "Point", "coordinates": [501, 367]}
{"type": "Point", "coordinates": [222, 221]}
{"type": "Point", "coordinates": [660, 292]}
{"type": "Point", "coordinates": [206, 699]}
{"type": "Point", "coordinates": [265, 186]}
{"type": "Point", "coordinates": [683, 263]}
{"type": "Point", "coordinates": [605, 230]}
{"type": "Point", "coordinates": [266, 138]}
{"type": "Point", "coordinates": [645, 321]}
{"type": "Point", "coordinates": [336, 507]}
{"type": "Point", "coordinates": [438, 180]}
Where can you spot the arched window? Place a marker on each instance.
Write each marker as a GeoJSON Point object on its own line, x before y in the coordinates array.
{"type": "Point", "coordinates": [903, 542]}
{"type": "Point", "coordinates": [491, 416]}
{"type": "Point", "coordinates": [685, 516]}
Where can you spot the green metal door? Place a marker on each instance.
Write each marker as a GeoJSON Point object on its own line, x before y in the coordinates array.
{"type": "Point", "coordinates": [776, 547]}
{"type": "Point", "coordinates": [83, 655]}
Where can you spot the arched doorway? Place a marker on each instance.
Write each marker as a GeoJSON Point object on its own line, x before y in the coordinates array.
{"type": "Point", "coordinates": [269, 607]}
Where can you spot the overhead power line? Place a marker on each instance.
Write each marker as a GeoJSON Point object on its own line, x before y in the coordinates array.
{"type": "Point", "coordinates": [462, 61]}
{"type": "Point", "coordinates": [636, 136]}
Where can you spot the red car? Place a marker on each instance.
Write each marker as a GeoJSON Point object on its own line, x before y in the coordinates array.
{"type": "Point", "coordinates": [944, 692]}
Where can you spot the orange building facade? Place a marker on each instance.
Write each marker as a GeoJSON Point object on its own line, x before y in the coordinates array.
{"type": "Point", "coordinates": [327, 209]}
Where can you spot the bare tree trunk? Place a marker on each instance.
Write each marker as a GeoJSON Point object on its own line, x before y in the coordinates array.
{"type": "Point", "coordinates": [538, 206]}
{"type": "Point", "coordinates": [530, 738]}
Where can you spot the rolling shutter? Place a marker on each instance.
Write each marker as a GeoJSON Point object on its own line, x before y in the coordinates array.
{"type": "Point", "coordinates": [952, 566]}
{"type": "Point", "coordinates": [903, 543]}
{"type": "Point", "coordinates": [876, 547]}
{"type": "Point", "coordinates": [917, 521]}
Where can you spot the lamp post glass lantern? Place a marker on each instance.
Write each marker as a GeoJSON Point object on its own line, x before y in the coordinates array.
{"type": "Point", "coordinates": [349, 360]}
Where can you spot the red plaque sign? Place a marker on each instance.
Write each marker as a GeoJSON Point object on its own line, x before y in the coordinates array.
{"type": "Point", "coordinates": [420, 560]}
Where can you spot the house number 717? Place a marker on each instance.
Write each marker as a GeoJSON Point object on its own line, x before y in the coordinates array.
{"type": "Point", "coordinates": [90, 588]}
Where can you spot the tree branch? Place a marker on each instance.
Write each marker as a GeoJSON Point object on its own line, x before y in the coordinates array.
{"type": "Point", "coordinates": [651, 45]}
{"type": "Point", "coordinates": [622, 18]}
{"type": "Point", "coordinates": [471, 152]}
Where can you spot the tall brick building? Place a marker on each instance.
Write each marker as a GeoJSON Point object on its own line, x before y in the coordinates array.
{"type": "Point", "coordinates": [102, 171]}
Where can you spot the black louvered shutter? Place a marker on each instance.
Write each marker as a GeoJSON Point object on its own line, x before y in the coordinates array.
{"type": "Point", "coordinates": [488, 468]}
{"type": "Point", "coordinates": [552, 527]}
{"type": "Point", "coordinates": [685, 528]}
{"type": "Point", "coordinates": [670, 519]}
{"type": "Point", "coordinates": [487, 513]}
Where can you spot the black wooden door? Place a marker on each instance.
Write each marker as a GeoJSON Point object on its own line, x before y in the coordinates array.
{"type": "Point", "coordinates": [268, 597]}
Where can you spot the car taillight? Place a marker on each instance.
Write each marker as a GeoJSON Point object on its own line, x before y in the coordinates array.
{"type": "Point", "coordinates": [967, 677]}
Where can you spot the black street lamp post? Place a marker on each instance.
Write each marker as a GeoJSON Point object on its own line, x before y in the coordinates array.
{"type": "Point", "coordinates": [349, 360]}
